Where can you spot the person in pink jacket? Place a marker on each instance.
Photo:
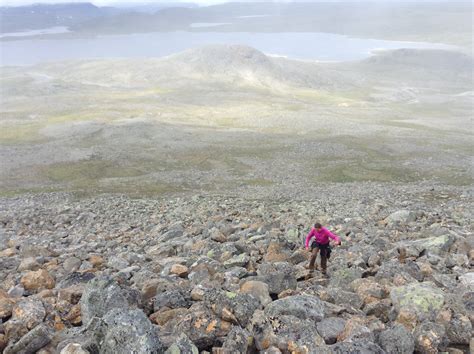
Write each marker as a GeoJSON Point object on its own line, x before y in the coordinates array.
{"type": "Point", "coordinates": [320, 244]}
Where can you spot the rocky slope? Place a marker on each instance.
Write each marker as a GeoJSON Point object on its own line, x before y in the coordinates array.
{"type": "Point", "coordinates": [191, 274]}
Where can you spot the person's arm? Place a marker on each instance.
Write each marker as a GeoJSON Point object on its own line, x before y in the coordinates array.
{"type": "Point", "coordinates": [308, 238]}
{"type": "Point", "coordinates": [333, 236]}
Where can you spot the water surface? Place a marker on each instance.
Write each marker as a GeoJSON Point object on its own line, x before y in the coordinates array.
{"type": "Point", "coordinates": [296, 45]}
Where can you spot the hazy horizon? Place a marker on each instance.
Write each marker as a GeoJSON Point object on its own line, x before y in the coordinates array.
{"type": "Point", "coordinates": [200, 2]}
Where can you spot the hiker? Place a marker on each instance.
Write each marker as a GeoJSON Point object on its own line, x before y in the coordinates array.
{"type": "Point", "coordinates": [320, 244]}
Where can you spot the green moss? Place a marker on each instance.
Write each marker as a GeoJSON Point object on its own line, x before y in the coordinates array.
{"type": "Point", "coordinates": [230, 295]}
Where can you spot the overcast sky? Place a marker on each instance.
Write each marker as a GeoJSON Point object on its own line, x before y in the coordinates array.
{"type": "Point", "coordinates": [103, 2]}
{"type": "Point", "coordinates": [202, 2]}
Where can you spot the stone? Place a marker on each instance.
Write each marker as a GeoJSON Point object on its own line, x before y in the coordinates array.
{"type": "Point", "coordinates": [182, 345]}
{"type": "Point", "coordinates": [72, 264]}
{"type": "Point", "coordinates": [240, 260]}
{"type": "Point", "coordinates": [287, 333]}
{"type": "Point", "coordinates": [343, 277]}
{"type": "Point", "coordinates": [31, 342]}
{"type": "Point", "coordinates": [357, 346]}
{"type": "Point", "coordinates": [129, 331]}
{"type": "Point", "coordinates": [16, 292]}
{"type": "Point", "coordinates": [278, 276]}
{"type": "Point", "coordinates": [430, 338]}
{"type": "Point", "coordinates": [201, 326]}
{"type": "Point", "coordinates": [425, 299]}
{"type": "Point", "coordinates": [330, 328]}
{"type": "Point", "coordinates": [71, 294]}
{"type": "Point", "coordinates": [117, 263]}
{"type": "Point", "coordinates": [171, 299]}
{"type": "Point", "coordinates": [345, 298]}
{"type": "Point", "coordinates": [73, 348]}
{"type": "Point", "coordinates": [276, 252]}
{"type": "Point", "coordinates": [198, 292]}
{"type": "Point", "coordinates": [9, 252]}
{"type": "Point", "coordinates": [232, 307]}
{"type": "Point", "coordinates": [300, 306]}
{"type": "Point", "coordinates": [257, 289]}
{"type": "Point", "coordinates": [401, 217]}
{"type": "Point", "coordinates": [354, 329]}
{"type": "Point", "coordinates": [397, 340]}
{"type": "Point", "coordinates": [28, 264]}
{"type": "Point", "coordinates": [459, 329]}
{"type": "Point", "coordinates": [237, 341]}
{"type": "Point", "coordinates": [434, 245]}
{"type": "Point", "coordinates": [179, 270]}
{"type": "Point", "coordinates": [103, 294]}
{"type": "Point", "coordinates": [3, 342]}
{"type": "Point", "coordinates": [6, 305]}
{"type": "Point", "coordinates": [163, 317]}
{"type": "Point", "coordinates": [96, 260]}
{"type": "Point", "coordinates": [37, 280]}
{"type": "Point", "coordinates": [467, 280]}
{"type": "Point", "coordinates": [30, 311]}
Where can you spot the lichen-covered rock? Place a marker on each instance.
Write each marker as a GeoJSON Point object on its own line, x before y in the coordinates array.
{"type": "Point", "coordinates": [30, 311]}
{"type": "Point", "coordinates": [434, 245]}
{"type": "Point", "coordinates": [201, 326]}
{"type": "Point", "coordinates": [459, 329]}
{"type": "Point", "coordinates": [358, 346]}
{"type": "Point", "coordinates": [430, 338]}
{"type": "Point", "coordinates": [287, 333]}
{"type": "Point", "coordinates": [356, 328]}
{"type": "Point", "coordinates": [103, 294]}
{"type": "Point", "coordinates": [182, 345]}
{"type": "Point", "coordinates": [240, 260]}
{"type": "Point", "coordinates": [401, 217]}
{"type": "Point", "coordinates": [237, 341]}
{"type": "Point", "coordinates": [73, 348]}
{"type": "Point", "coordinates": [343, 277]}
{"type": "Point", "coordinates": [129, 331]}
{"type": "Point", "coordinates": [31, 342]}
{"type": "Point", "coordinates": [425, 299]}
{"type": "Point", "coordinates": [397, 340]}
{"type": "Point", "coordinates": [300, 306]}
{"type": "Point", "coordinates": [172, 299]}
{"type": "Point", "coordinates": [278, 276]}
{"type": "Point", "coordinates": [330, 328]}
{"type": "Point", "coordinates": [236, 308]}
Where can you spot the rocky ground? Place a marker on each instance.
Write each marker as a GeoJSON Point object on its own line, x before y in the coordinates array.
{"type": "Point", "coordinates": [191, 274]}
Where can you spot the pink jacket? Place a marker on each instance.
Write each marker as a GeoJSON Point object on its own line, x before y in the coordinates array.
{"type": "Point", "coordinates": [321, 237]}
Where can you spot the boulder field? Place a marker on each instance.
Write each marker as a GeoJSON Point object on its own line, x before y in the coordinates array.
{"type": "Point", "coordinates": [215, 274]}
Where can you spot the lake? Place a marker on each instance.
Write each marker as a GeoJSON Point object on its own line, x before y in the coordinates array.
{"type": "Point", "coordinates": [296, 45]}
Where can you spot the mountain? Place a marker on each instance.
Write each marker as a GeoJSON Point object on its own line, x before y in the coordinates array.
{"type": "Point", "coordinates": [40, 16]}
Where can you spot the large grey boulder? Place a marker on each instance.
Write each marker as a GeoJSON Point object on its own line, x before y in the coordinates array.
{"type": "Point", "coordinates": [360, 346]}
{"type": "Point", "coordinates": [330, 328]}
{"type": "Point", "coordinates": [182, 345]}
{"type": "Point", "coordinates": [401, 217]}
{"type": "Point", "coordinates": [300, 306]}
{"type": "Point", "coordinates": [129, 331]}
{"type": "Point", "coordinates": [278, 276]}
{"type": "Point", "coordinates": [423, 299]}
{"type": "Point", "coordinates": [236, 308]}
{"type": "Point", "coordinates": [103, 294]}
{"type": "Point", "coordinates": [31, 342]}
{"type": "Point", "coordinates": [174, 298]}
{"type": "Point", "coordinates": [287, 333]}
{"type": "Point", "coordinates": [397, 340]}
